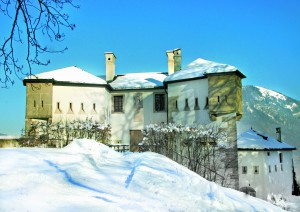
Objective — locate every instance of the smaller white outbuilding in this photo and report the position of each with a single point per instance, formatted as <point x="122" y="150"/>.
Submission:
<point x="265" y="164"/>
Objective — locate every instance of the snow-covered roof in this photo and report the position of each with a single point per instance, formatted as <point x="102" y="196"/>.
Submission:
<point x="138" y="80"/>
<point x="7" y="137"/>
<point x="200" y="68"/>
<point x="70" y="74"/>
<point x="252" y="140"/>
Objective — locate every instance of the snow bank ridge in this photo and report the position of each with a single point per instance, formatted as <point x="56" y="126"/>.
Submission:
<point x="91" y="147"/>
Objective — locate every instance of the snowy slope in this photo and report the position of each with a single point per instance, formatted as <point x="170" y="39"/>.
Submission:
<point x="265" y="110"/>
<point x="88" y="176"/>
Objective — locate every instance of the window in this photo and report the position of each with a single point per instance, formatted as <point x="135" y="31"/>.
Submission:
<point x="186" y="107"/>
<point x="70" y="110"/>
<point x="270" y="169"/>
<point x="159" y="102"/>
<point x="281" y="167"/>
<point x="82" y="108"/>
<point x="34" y="103"/>
<point x="280" y="157"/>
<point x="207" y="103"/>
<point x="275" y="168"/>
<point x="196" y="104"/>
<point x="58" y="109"/>
<point x="94" y="106"/>
<point x="118" y="103"/>
<point x="244" y="169"/>
<point x="42" y="103"/>
<point x="268" y="153"/>
<point x="176" y="105"/>
<point x="256" y="170"/>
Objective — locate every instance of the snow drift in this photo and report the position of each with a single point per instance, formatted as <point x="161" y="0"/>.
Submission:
<point x="89" y="176"/>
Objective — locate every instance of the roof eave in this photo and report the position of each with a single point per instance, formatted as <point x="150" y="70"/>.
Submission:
<point x="25" y="81"/>
<point x="227" y="73"/>
<point x="136" y="89"/>
<point x="184" y="80"/>
<point x="55" y="82"/>
<point x="267" y="149"/>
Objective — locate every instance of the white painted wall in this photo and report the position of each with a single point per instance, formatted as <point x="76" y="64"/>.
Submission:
<point x="77" y="95"/>
<point x="190" y="90"/>
<point x="132" y="119"/>
<point x="266" y="183"/>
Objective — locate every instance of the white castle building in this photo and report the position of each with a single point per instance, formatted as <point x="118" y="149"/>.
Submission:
<point x="202" y="92"/>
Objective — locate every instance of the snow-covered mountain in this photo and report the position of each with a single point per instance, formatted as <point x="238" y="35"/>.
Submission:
<point x="265" y="110"/>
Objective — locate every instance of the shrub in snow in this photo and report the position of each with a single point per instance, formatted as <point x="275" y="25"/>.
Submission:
<point x="278" y="200"/>
<point x="59" y="134"/>
<point x="200" y="148"/>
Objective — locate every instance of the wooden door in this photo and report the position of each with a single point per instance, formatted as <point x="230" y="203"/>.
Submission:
<point x="135" y="138"/>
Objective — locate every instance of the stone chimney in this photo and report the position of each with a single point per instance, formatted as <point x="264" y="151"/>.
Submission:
<point x="174" y="60"/>
<point x="278" y="133"/>
<point x="177" y="59"/>
<point x="170" y="55"/>
<point x="110" y="65"/>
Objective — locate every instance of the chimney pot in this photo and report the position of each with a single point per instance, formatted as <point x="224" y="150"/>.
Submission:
<point x="278" y="133"/>
<point x="177" y="59"/>
<point x="174" y="60"/>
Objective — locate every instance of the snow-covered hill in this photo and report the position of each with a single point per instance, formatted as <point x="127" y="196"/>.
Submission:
<point x="88" y="176"/>
<point x="265" y="110"/>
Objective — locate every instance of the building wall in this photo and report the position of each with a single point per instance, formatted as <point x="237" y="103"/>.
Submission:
<point x="137" y="113"/>
<point x="95" y="102"/>
<point x="38" y="102"/>
<point x="188" y="91"/>
<point x="266" y="183"/>
<point x="186" y="111"/>
<point x="225" y="103"/>
<point x="225" y="94"/>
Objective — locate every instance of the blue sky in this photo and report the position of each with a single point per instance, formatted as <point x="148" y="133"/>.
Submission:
<point x="261" y="38"/>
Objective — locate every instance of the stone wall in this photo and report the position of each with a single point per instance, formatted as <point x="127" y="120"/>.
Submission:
<point x="225" y="94"/>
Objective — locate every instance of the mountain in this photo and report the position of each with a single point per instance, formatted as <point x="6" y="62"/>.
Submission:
<point x="264" y="110"/>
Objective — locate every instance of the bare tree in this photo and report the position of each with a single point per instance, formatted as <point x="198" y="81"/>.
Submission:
<point x="201" y="148"/>
<point x="60" y="133"/>
<point x="31" y="20"/>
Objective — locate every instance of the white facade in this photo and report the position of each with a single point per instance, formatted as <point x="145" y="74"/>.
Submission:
<point x="187" y="95"/>
<point x="137" y="113"/>
<point x="265" y="164"/>
<point x="80" y="103"/>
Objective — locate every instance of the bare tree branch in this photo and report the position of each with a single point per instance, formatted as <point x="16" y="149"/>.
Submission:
<point x="31" y="20"/>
